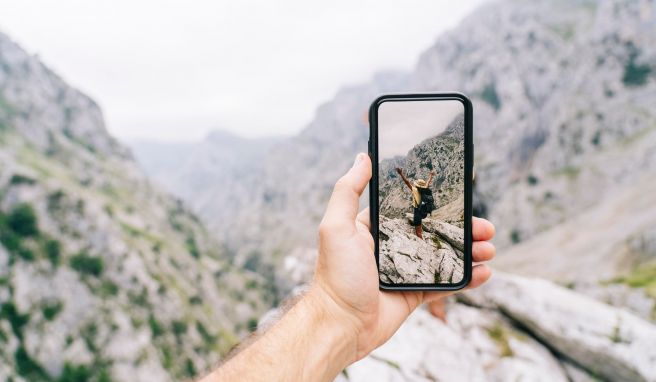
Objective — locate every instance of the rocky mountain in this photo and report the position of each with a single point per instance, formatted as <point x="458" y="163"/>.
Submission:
<point x="102" y="276"/>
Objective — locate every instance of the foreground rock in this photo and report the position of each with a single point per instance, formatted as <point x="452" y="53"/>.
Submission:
<point x="605" y="340"/>
<point x="405" y="258"/>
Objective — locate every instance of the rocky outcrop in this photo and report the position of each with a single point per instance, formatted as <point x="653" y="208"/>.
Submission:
<point x="516" y="328"/>
<point x="605" y="340"/>
<point x="405" y="258"/>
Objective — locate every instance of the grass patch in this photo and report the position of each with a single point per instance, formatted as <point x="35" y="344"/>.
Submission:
<point x="499" y="335"/>
<point x="643" y="276"/>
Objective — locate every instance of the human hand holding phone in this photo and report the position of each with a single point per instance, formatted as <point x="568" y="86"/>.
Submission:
<point x="344" y="315"/>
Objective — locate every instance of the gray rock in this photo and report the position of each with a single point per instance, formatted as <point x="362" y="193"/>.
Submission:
<point x="404" y="258"/>
<point x="608" y="341"/>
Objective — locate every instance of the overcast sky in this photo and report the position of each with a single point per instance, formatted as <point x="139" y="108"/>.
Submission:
<point x="402" y="125"/>
<point x="174" y="70"/>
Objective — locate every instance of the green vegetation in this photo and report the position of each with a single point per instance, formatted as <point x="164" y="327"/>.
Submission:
<point x="179" y="327"/>
<point x="635" y="74"/>
<point x="17" y="320"/>
<point x="252" y="324"/>
<point x="86" y="264"/>
<point x="155" y="327"/>
<point x="18" y="179"/>
<point x="192" y="246"/>
<point x="490" y="96"/>
<point x="75" y="373"/>
<point x="499" y="335"/>
<point x="52" y="249"/>
<point x="532" y="179"/>
<point x="22" y="220"/>
<point x="51" y="309"/>
<point x="108" y="288"/>
<point x="29" y="368"/>
<point x="515" y="236"/>
<point x="572" y="172"/>
<point x="643" y="276"/>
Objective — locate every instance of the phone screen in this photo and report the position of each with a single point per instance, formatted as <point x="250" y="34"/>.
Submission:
<point x="421" y="192"/>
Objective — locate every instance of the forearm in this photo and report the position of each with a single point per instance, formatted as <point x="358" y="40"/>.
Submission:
<point x="307" y="344"/>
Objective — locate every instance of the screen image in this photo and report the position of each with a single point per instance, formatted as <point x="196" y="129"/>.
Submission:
<point x="421" y="191"/>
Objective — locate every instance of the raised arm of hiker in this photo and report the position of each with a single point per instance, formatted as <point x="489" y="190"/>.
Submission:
<point x="430" y="177"/>
<point x="405" y="180"/>
<point x="343" y="316"/>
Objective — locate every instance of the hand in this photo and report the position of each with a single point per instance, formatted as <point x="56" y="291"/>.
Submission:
<point x="399" y="171"/>
<point x="345" y="285"/>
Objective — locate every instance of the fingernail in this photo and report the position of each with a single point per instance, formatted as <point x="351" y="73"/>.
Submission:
<point x="358" y="159"/>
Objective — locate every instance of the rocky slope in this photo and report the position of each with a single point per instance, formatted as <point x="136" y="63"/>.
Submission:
<point x="102" y="276"/>
<point x="405" y="258"/>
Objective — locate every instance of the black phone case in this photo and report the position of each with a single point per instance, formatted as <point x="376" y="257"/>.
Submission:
<point x="373" y="184"/>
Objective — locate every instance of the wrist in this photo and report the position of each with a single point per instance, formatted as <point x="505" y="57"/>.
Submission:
<point x="332" y="332"/>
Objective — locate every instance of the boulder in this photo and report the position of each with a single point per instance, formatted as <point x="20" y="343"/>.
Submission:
<point x="606" y="341"/>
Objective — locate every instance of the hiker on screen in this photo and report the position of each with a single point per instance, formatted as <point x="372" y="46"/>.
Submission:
<point x="422" y="199"/>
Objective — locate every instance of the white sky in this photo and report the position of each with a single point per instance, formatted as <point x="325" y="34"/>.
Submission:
<point x="402" y="125"/>
<point x="174" y="70"/>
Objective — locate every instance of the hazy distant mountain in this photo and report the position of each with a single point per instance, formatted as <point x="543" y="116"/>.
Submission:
<point x="102" y="276"/>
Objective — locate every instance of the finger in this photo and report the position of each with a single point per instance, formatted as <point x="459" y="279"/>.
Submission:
<point x="483" y="251"/>
<point x="363" y="217"/>
<point x="480" y="274"/>
<point x="482" y="229"/>
<point x="344" y="201"/>
<point x="438" y="308"/>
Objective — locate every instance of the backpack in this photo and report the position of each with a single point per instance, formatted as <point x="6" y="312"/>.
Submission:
<point x="427" y="204"/>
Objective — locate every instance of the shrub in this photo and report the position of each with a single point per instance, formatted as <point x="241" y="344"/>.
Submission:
<point x="9" y="312"/>
<point x="192" y="247"/>
<point x="51" y="309"/>
<point x="22" y="220"/>
<point x="27" y="367"/>
<point x="635" y="74"/>
<point x="75" y="373"/>
<point x="52" y="249"/>
<point x="252" y="324"/>
<point x="515" y="236"/>
<point x="155" y="327"/>
<point x="489" y="95"/>
<point x="86" y="264"/>
<point x="17" y="179"/>
<point x="179" y="327"/>
<point x="532" y="180"/>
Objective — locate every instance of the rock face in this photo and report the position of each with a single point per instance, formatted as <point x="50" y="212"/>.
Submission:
<point x="405" y="258"/>
<point x="101" y="274"/>
<point x="517" y="328"/>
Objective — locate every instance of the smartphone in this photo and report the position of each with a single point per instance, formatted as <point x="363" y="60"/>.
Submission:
<point x="421" y="190"/>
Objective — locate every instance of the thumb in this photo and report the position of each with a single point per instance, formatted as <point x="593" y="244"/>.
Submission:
<point x="344" y="202"/>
